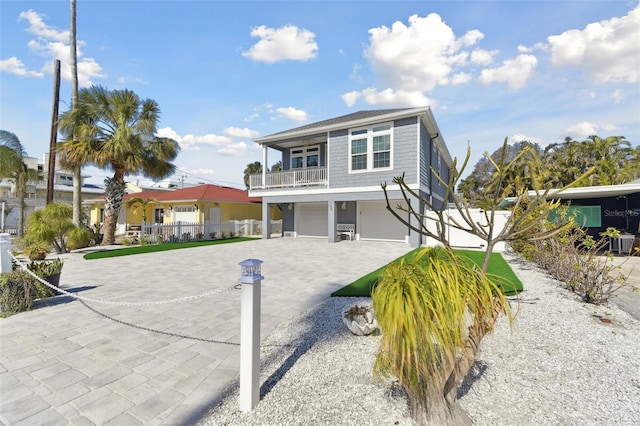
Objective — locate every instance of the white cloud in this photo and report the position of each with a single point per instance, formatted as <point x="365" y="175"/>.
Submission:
<point x="15" y="66"/>
<point x="524" y="49"/>
<point x="607" y="50"/>
<point x="617" y="96"/>
<point x="387" y="97"/>
<point x="39" y="28"/>
<point x="460" y="78"/>
<point x="191" y="142"/>
<point x="514" y="72"/>
<point x="251" y="117"/>
<point x="519" y="137"/>
<point x="198" y="171"/>
<point x="52" y="43"/>
<point x="292" y="114"/>
<point x="582" y="130"/>
<point x="355" y="73"/>
<point x="237" y="132"/>
<point x="419" y="56"/>
<point x="351" y="98"/>
<point x="281" y="44"/>
<point x="235" y="149"/>
<point x="482" y="57"/>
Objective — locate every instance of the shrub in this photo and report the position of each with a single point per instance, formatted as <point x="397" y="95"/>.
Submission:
<point x="79" y="238"/>
<point x="18" y="291"/>
<point x="36" y="251"/>
<point x="145" y="241"/>
<point x="433" y="315"/>
<point x="574" y="258"/>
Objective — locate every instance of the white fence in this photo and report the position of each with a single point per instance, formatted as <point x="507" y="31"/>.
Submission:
<point x="192" y="231"/>
<point x="462" y="239"/>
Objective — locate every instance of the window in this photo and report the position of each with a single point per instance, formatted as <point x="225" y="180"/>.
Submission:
<point x="158" y="215"/>
<point x="307" y="157"/>
<point x="370" y="148"/>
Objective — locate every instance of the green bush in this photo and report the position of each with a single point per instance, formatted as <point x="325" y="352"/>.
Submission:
<point x="18" y="291"/>
<point x="79" y="238"/>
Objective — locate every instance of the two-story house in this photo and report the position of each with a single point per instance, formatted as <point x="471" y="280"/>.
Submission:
<point x="330" y="184"/>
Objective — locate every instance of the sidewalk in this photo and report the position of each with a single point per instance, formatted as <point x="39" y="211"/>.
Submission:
<point x="76" y="363"/>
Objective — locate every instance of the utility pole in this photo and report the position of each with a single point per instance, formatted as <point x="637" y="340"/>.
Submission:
<point x="54" y="131"/>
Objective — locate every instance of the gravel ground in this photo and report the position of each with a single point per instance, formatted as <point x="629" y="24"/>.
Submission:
<point x="559" y="363"/>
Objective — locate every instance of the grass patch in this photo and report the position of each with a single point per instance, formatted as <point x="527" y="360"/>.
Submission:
<point x="499" y="272"/>
<point x="126" y="251"/>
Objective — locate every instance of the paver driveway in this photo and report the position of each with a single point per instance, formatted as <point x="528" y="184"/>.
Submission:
<point x="75" y="363"/>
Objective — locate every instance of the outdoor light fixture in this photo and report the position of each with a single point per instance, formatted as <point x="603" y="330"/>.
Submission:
<point x="290" y="206"/>
<point x="344" y="205"/>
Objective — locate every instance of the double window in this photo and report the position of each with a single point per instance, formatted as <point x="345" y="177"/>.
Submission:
<point x="306" y="157"/>
<point x="370" y="148"/>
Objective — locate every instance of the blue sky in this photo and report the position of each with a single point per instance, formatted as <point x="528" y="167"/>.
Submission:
<point x="224" y="73"/>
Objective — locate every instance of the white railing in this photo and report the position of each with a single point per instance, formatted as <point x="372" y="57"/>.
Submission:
<point x="290" y="178"/>
<point x="193" y="231"/>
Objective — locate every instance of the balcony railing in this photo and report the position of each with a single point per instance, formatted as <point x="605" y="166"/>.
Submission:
<point x="316" y="176"/>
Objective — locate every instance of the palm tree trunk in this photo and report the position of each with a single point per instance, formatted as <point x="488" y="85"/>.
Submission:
<point x="114" y="194"/>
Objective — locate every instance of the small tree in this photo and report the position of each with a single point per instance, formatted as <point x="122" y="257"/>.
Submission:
<point x="433" y="319"/>
<point x="50" y="226"/>
<point x="516" y="228"/>
<point x="136" y="202"/>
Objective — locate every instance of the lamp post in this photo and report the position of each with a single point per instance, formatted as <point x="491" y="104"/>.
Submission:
<point x="250" y="278"/>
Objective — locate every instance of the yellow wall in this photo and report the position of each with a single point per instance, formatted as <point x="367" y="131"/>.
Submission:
<point x="228" y="211"/>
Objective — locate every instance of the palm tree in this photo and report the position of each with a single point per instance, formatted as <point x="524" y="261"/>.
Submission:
<point x="252" y="168"/>
<point x="115" y="130"/>
<point x="141" y="202"/>
<point x="277" y="167"/>
<point x="12" y="166"/>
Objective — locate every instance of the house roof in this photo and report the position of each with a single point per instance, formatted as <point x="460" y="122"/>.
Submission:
<point x="597" y="191"/>
<point x="349" y="120"/>
<point x="205" y="192"/>
<point x="601" y="191"/>
<point x="363" y="118"/>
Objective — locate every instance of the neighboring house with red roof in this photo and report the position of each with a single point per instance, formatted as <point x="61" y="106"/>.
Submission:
<point x="196" y="204"/>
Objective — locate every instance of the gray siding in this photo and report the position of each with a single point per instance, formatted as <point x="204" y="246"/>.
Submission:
<point x="404" y="158"/>
<point x="425" y="157"/>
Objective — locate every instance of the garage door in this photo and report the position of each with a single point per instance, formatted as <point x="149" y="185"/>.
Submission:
<point x="377" y="223"/>
<point x="311" y="219"/>
<point x="184" y="214"/>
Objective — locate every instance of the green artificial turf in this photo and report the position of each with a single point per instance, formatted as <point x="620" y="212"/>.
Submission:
<point x="499" y="271"/>
<point x="126" y="251"/>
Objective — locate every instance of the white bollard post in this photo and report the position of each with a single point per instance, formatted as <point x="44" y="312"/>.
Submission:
<point x="5" y="253"/>
<point x="250" y="279"/>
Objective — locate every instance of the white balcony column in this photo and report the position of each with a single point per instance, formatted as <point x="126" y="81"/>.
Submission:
<point x="332" y="221"/>
<point x="266" y="220"/>
<point x="264" y="165"/>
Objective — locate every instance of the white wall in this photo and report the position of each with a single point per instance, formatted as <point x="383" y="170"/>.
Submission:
<point x="462" y="239"/>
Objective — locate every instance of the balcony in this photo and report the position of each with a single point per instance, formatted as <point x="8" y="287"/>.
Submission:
<point x="316" y="176"/>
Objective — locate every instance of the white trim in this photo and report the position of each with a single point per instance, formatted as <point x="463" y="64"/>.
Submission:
<point x="304" y="155"/>
<point x="370" y="154"/>
<point x="272" y="193"/>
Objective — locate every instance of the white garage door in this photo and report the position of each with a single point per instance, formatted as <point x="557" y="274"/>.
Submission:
<point x="311" y="219"/>
<point x="184" y="214"/>
<point x="377" y="223"/>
